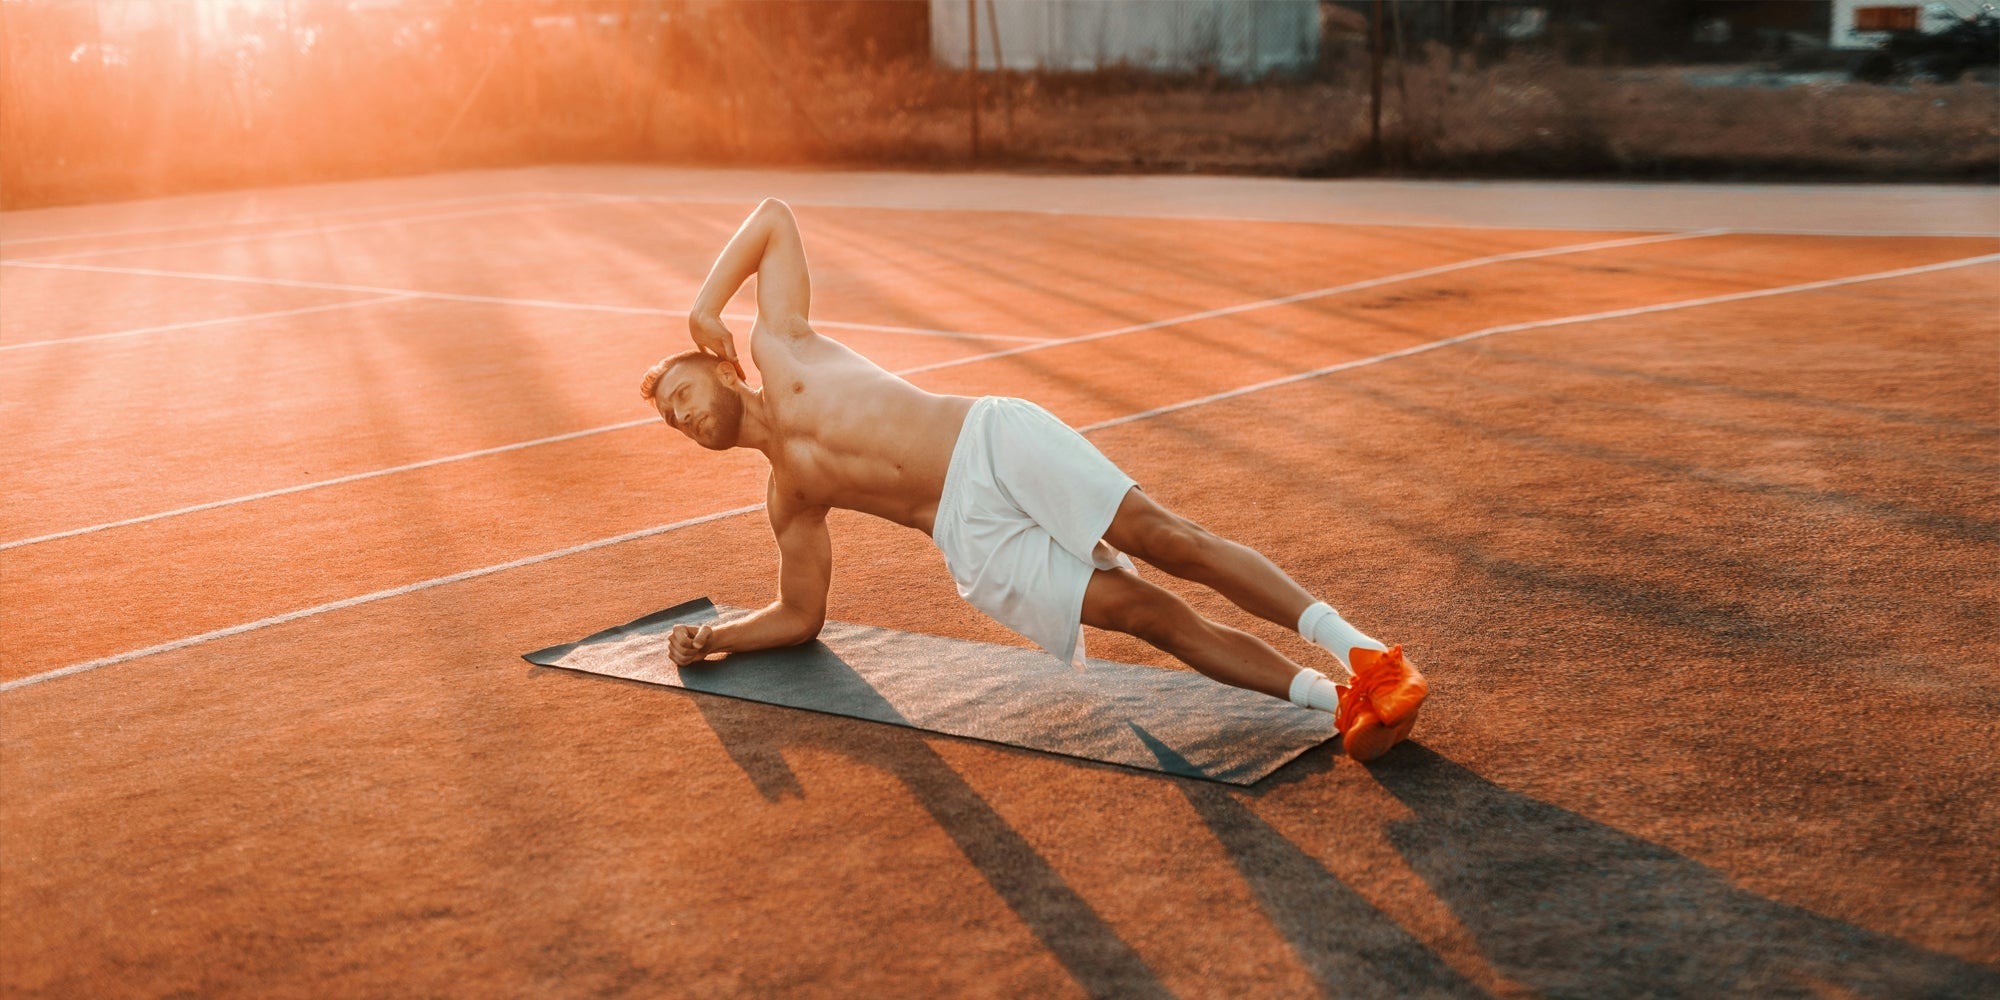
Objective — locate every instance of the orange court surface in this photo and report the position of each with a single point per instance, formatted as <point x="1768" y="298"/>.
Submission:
<point x="1686" y="499"/>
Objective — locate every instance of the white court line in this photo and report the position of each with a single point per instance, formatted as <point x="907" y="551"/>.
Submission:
<point x="167" y="647"/>
<point x="192" y="324"/>
<point x="1332" y="290"/>
<point x="915" y="331"/>
<point x="415" y="293"/>
<point x="623" y="425"/>
<point x="1634" y="225"/>
<point x="332" y="213"/>
<point x="1539" y="325"/>
<point x="400" y="220"/>
<point x="319" y="484"/>
<point x="718" y="515"/>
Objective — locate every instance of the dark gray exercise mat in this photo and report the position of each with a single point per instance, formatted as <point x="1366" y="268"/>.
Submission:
<point x="1173" y="721"/>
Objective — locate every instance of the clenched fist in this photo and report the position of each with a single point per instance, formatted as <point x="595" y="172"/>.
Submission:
<point x="689" y="644"/>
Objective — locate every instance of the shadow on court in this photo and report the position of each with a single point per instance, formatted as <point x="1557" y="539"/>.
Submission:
<point x="1571" y="907"/>
<point x="1558" y="903"/>
<point x="1089" y="950"/>
<point x="1350" y="947"/>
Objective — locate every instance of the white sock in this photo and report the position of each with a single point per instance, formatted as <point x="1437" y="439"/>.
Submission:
<point x="1323" y="627"/>
<point x="1311" y="689"/>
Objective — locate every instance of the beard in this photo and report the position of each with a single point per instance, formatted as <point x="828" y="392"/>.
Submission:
<point x="723" y="424"/>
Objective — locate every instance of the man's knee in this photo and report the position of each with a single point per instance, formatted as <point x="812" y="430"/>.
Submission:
<point x="1167" y="540"/>
<point x="1160" y="618"/>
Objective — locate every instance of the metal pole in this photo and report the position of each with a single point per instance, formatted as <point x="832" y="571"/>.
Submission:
<point x="1375" y="88"/>
<point x="1000" y="64"/>
<point x="972" y="69"/>
<point x="1402" y="88"/>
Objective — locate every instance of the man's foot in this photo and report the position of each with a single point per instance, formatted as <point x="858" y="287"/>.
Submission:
<point x="1388" y="681"/>
<point x="1362" y="733"/>
<point x="1380" y="708"/>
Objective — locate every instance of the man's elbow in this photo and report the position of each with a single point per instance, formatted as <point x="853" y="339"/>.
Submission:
<point x="807" y="626"/>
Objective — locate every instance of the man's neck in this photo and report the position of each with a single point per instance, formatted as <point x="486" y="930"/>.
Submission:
<point x="756" y="431"/>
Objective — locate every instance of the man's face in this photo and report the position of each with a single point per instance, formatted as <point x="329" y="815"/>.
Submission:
<point x="699" y="399"/>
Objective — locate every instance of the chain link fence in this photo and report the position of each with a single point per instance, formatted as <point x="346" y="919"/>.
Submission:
<point x="122" y="98"/>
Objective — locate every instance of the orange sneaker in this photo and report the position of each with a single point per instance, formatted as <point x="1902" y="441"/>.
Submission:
<point x="1380" y="709"/>
<point x="1388" y="682"/>
<point x="1362" y="733"/>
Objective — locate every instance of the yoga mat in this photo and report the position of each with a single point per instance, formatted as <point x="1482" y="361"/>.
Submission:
<point x="1171" y="721"/>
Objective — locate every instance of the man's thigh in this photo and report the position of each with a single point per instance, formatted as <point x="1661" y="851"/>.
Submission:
<point x="1146" y="530"/>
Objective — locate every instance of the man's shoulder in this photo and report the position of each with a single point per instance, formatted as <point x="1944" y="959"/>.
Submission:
<point x="788" y="493"/>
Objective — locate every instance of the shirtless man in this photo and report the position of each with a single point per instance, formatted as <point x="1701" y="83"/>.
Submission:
<point x="1033" y="521"/>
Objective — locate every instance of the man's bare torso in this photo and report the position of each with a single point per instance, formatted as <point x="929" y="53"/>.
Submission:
<point x="852" y="435"/>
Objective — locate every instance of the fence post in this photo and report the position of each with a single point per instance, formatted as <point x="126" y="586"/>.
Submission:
<point x="1375" y="87"/>
<point x="972" y="69"/>
<point x="1403" y="123"/>
<point x="1000" y="65"/>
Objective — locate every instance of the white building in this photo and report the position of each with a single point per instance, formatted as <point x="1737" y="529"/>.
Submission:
<point x="1865" y="24"/>
<point x="1241" y="38"/>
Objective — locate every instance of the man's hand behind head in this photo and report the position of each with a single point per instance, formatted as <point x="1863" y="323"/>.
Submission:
<point x="712" y="336"/>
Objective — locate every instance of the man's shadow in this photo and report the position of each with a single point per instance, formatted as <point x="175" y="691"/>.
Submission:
<point x="1571" y="907"/>
<point x="1558" y="903"/>
<point x="1348" y="946"/>
<point x="1351" y="948"/>
<point x="756" y="736"/>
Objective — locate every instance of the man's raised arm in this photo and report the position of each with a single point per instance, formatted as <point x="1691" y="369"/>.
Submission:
<point x="767" y="245"/>
<point x="805" y="571"/>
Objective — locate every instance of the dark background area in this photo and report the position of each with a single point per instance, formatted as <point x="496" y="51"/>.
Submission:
<point x="96" y="106"/>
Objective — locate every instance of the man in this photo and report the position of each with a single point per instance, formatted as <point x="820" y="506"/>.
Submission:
<point x="1033" y="521"/>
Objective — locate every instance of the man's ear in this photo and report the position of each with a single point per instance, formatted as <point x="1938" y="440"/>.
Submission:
<point x="726" y="374"/>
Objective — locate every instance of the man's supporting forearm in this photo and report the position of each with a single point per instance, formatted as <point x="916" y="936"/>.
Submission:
<point x="780" y="624"/>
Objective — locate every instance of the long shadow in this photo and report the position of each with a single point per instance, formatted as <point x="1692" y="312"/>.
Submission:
<point x="1088" y="948"/>
<point x="1839" y="440"/>
<point x="1723" y="620"/>
<point x="1760" y="393"/>
<point x="1350" y="947"/>
<point x="1571" y="907"/>
<point x="1956" y="526"/>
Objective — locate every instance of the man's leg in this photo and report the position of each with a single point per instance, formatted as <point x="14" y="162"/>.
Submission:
<point x="1381" y="676"/>
<point x="1122" y="601"/>
<point x="1145" y="530"/>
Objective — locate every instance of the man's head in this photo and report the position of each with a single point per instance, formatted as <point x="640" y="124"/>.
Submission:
<point x="699" y="395"/>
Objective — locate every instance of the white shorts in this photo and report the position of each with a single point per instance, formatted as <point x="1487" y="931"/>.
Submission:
<point x="1022" y="519"/>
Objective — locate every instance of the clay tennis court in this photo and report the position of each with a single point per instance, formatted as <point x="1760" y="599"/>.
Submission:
<point x="1692" y="524"/>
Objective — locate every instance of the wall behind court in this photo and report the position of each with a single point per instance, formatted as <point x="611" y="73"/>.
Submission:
<point x="1242" y="39"/>
<point x="107" y="99"/>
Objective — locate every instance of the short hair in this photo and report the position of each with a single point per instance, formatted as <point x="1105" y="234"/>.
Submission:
<point x="651" y="383"/>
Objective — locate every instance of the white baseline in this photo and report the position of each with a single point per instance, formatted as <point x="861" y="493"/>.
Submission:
<point x="403" y="220"/>
<point x="417" y="293"/>
<point x="627" y="424"/>
<point x="270" y="220"/>
<point x="197" y="323"/>
<point x="379" y="595"/>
